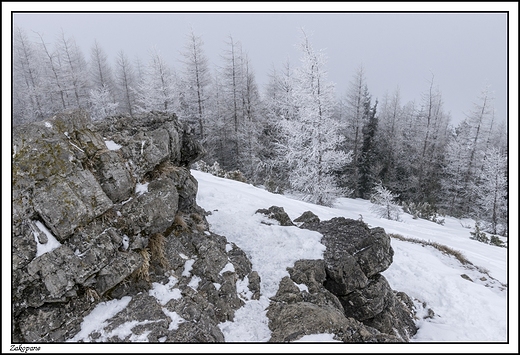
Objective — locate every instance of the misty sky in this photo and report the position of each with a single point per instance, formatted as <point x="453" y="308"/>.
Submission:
<point x="464" y="51"/>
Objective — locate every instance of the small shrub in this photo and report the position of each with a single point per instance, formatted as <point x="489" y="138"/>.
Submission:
<point x="202" y="166"/>
<point x="383" y="203"/>
<point x="235" y="175"/>
<point x="216" y="170"/>
<point x="479" y="235"/>
<point x="495" y="240"/>
<point x="423" y="210"/>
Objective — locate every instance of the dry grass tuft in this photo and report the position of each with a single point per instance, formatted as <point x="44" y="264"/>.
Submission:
<point x="442" y="248"/>
<point x="143" y="272"/>
<point x="92" y="294"/>
<point x="180" y="222"/>
<point x="157" y="244"/>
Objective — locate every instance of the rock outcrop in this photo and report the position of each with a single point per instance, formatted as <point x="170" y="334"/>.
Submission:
<point x="344" y="294"/>
<point x="105" y="213"/>
<point x="109" y="245"/>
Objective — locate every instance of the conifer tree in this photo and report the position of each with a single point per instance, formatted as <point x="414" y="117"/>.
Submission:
<point x="312" y="139"/>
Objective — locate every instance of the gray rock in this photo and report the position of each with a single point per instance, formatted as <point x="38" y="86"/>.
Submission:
<point x="308" y="217"/>
<point x="153" y="211"/>
<point x="367" y="302"/>
<point x="113" y="176"/>
<point x="65" y="204"/>
<point x="278" y="214"/>
<point x="120" y="267"/>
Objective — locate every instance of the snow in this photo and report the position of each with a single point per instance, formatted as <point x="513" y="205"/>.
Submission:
<point x="167" y="292"/>
<point x="188" y="266"/>
<point x="97" y="319"/>
<point x="52" y="242"/>
<point x="463" y="310"/>
<point x="226" y="268"/>
<point x="125" y="242"/>
<point x="194" y="282"/>
<point x="243" y="290"/>
<point x="111" y="145"/>
<point x="326" y="337"/>
<point x="175" y="317"/>
<point x="141" y="188"/>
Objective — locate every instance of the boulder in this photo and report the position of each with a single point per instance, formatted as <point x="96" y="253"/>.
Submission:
<point x="344" y="294"/>
<point x="278" y="214"/>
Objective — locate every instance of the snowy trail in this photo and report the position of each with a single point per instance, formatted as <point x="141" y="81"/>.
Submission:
<point x="464" y="310"/>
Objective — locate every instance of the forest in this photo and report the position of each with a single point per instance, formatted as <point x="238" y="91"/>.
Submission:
<point x="297" y="134"/>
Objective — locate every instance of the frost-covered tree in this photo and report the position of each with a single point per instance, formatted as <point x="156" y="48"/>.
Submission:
<point x="54" y="82"/>
<point x="194" y="82"/>
<point x="230" y="114"/>
<point x="278" y="107"/>
<point x="464" y="158"/>
<point x="432" y="123"/>
<point x="235" y="120"/>
<point x="99" y="69"/>
<point x="157" y="88"/>
<point x="29" y="101"/>
<point x="126" y="82"/>
<point x="390" y="137"/>
<point x="312" y="138"/>
<point x="102" y="103"/>
<point x="102" y="93"/>
<point x="491" y="189"/>
<point x="74" y="72"/>
<point x="352" y="118"/>
<point x="384" y="205"/>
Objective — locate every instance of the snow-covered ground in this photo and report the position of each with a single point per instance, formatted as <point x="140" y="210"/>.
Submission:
<point x="464" y="311"/>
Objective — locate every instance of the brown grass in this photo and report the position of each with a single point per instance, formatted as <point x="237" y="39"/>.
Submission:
<point x="143" y="272"/>
<point x="92" y="294"/>
<point x="180" y="222"/>
<point x="157" y="244"/>
<point x="442" y="248"/>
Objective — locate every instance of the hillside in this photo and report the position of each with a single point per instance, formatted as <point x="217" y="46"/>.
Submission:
<point x="464" y="310"/>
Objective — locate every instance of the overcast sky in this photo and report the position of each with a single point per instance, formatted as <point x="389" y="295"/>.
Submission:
<point x="464" y="51"/>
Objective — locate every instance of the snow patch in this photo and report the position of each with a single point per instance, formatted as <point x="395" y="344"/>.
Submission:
<point x="302" y="287"/>
<point x="250" y="323"/>
<point x="52" y="242"/>
<point x="188" y="266"/>
<point x="97" y="319"/>
<point x="167" y="292"/>
<point x="111" y="145"/>
<point x="226" y="268"/>
<point x="141" y="188"/>
<point x="194" y="282"/>
<point x="323" y="337"/>
<point x="125" y="242"/>
<point x="243" y="290"/>
<point x="176" y="319"/>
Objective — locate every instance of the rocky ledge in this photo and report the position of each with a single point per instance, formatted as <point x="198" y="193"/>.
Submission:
<point x="105" y="214"/>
